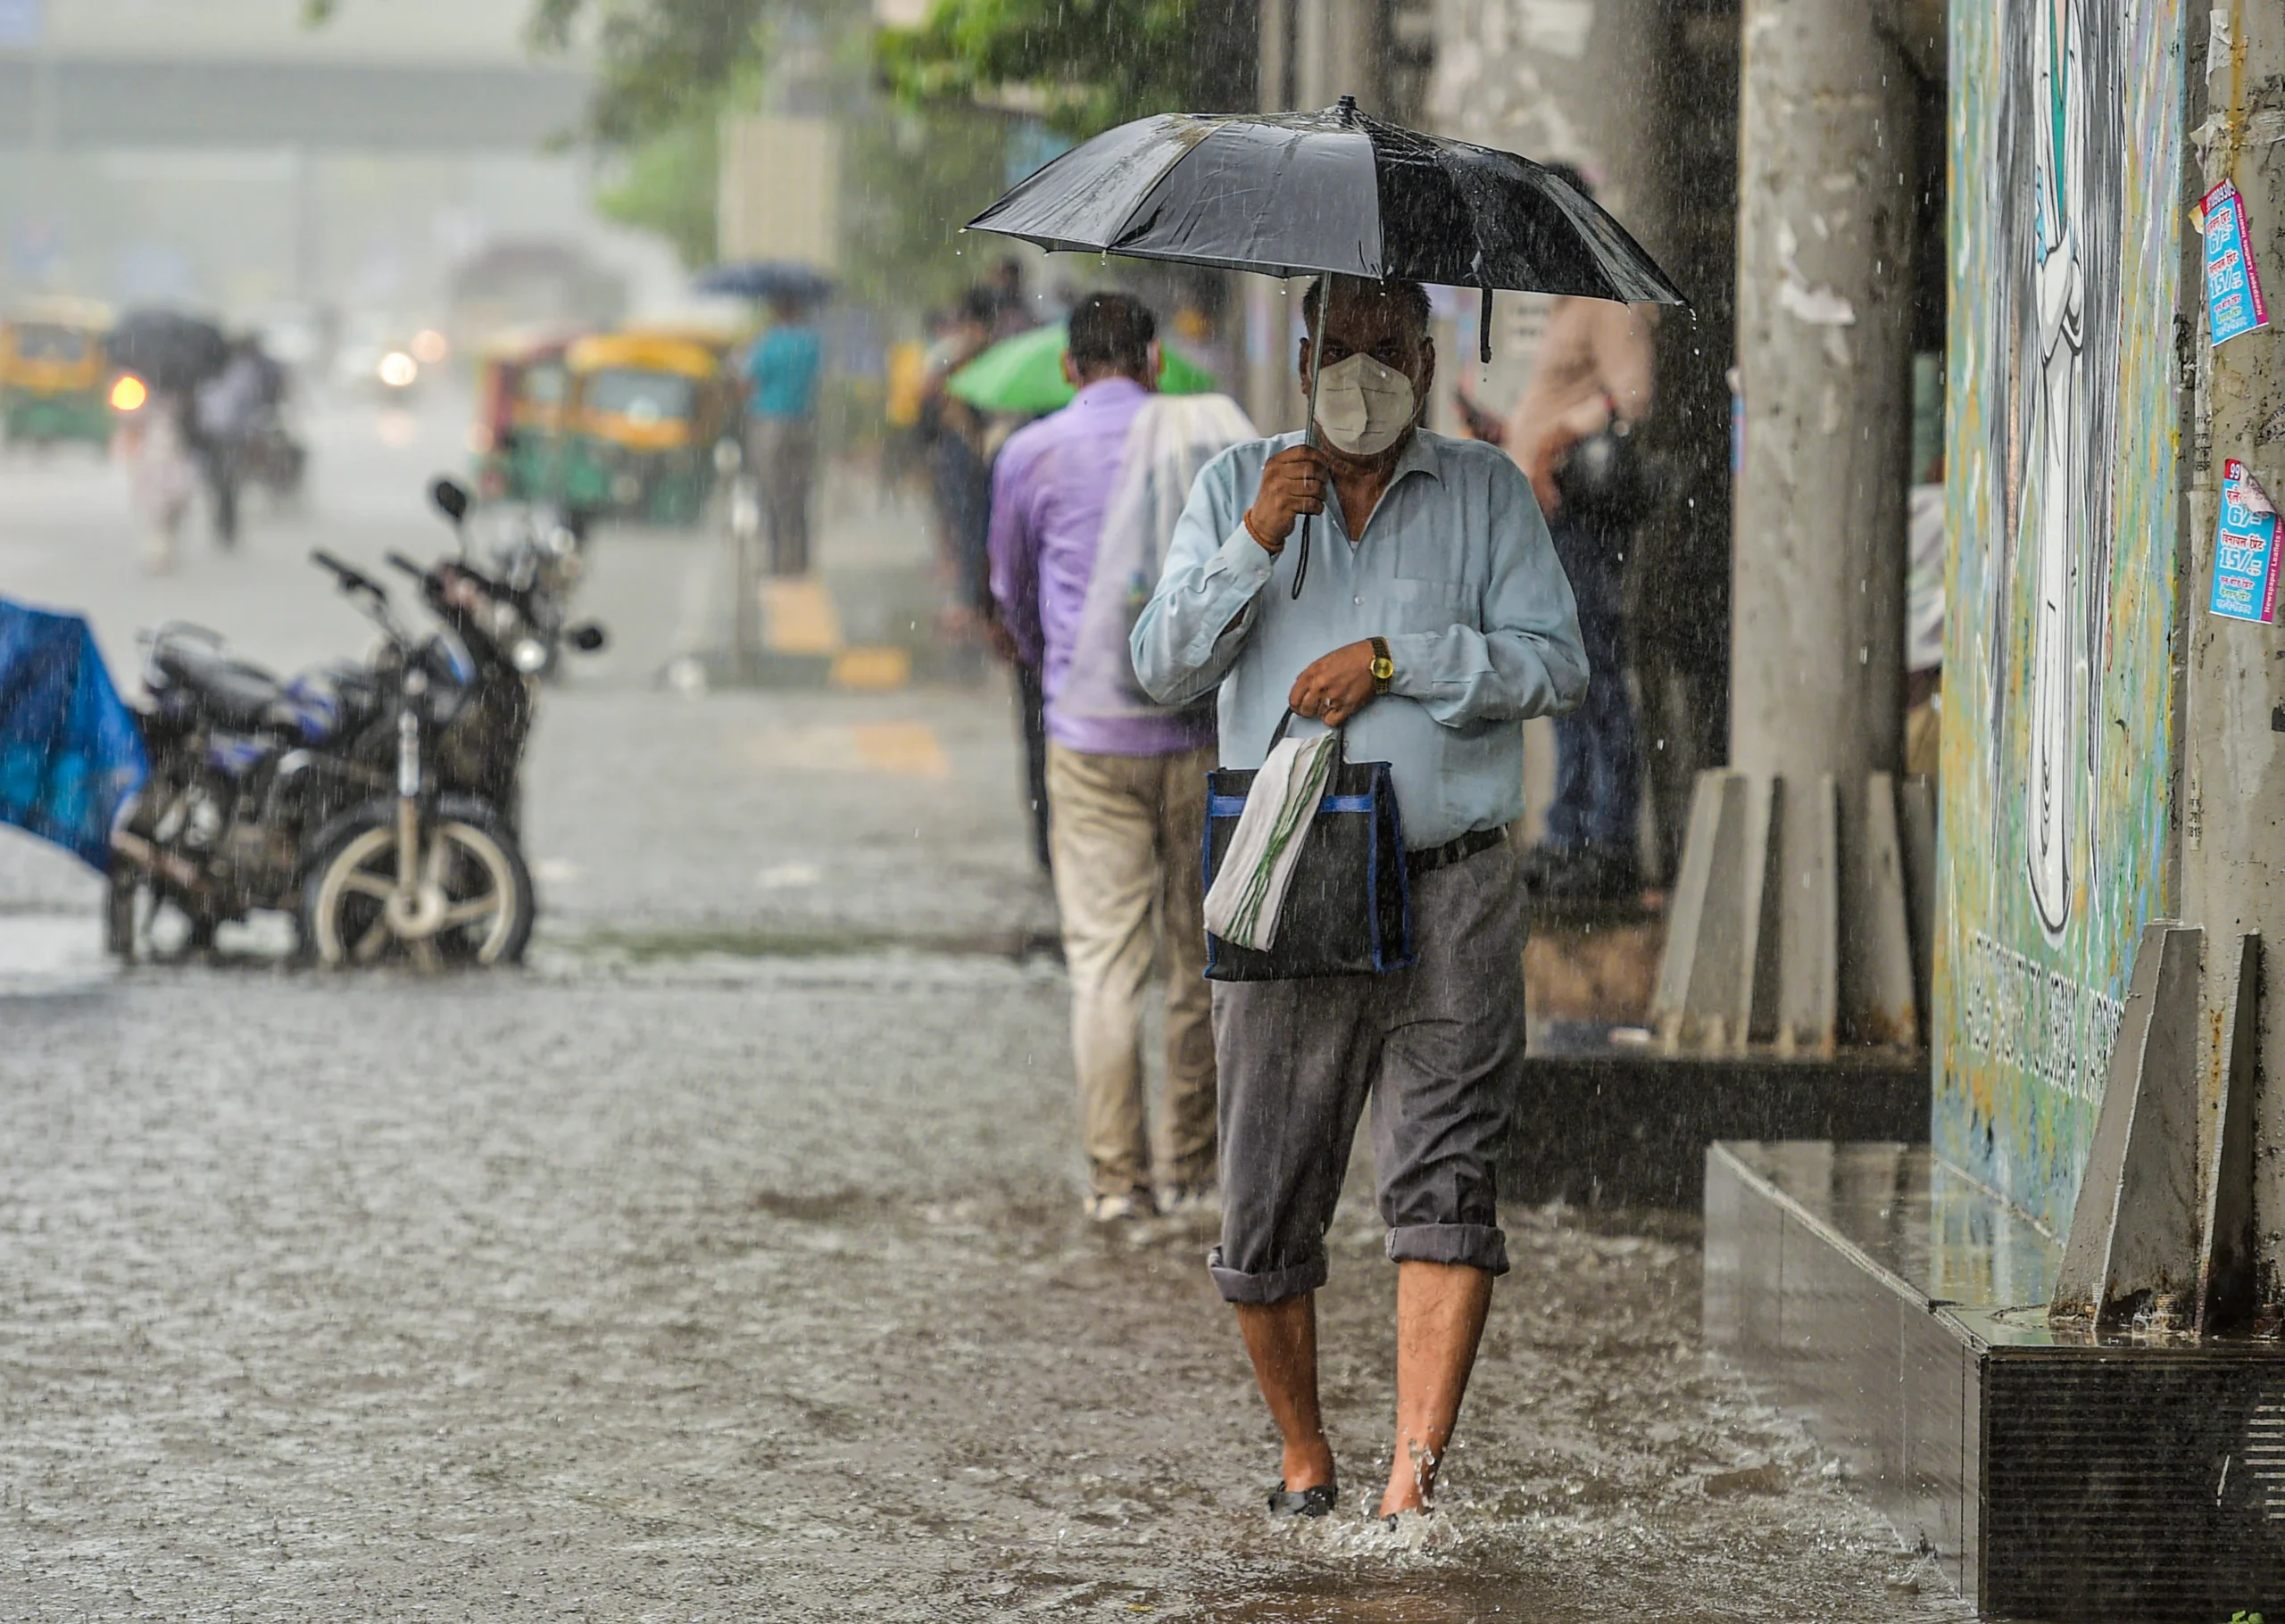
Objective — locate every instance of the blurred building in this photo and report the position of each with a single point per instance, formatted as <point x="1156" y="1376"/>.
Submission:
<point x="222" y="154"/>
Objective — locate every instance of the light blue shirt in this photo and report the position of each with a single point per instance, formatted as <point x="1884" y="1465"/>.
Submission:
<point x="1455" y="569"/>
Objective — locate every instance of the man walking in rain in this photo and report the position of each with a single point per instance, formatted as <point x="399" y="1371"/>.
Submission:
<point x="1125" y="777"/>
<point x="1436" y="619"/>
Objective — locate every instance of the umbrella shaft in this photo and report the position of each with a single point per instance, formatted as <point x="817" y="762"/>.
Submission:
<point x="1309" y="429"/>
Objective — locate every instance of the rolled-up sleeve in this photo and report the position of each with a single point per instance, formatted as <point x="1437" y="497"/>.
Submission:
<point x="1526" y="660"/>
<point x="1194" y="627"/>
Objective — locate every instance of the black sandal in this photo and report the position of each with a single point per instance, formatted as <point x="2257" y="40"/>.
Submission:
<point x="1317" y="1501"/>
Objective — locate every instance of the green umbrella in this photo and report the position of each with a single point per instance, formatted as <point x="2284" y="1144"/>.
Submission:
<point x="1023" y="375"/>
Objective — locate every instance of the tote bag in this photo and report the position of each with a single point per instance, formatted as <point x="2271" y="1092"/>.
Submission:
<point x="1349" y="908"/>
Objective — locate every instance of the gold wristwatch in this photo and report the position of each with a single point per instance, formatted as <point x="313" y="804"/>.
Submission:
<point x="1383" y="667"/>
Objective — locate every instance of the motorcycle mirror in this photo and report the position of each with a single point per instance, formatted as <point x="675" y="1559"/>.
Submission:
<point x="450" y="498"/>
<point x="587" y="637"/>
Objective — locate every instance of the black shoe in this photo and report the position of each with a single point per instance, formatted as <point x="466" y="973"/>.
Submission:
<point x="1317" y="1501"/>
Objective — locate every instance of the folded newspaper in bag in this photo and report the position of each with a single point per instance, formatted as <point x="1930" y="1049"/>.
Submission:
<point x="1248" y="895"/>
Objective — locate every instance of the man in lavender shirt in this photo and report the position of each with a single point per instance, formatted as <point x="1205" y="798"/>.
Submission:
<point x="1126" y="783"/>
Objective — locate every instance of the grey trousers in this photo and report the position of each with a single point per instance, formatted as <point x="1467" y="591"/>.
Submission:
<point x="1435" y="1048"/>
<point x="784" y="456"/>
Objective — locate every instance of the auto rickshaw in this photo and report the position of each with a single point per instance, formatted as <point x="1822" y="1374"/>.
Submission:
<point x="644" y="412"/>
<point x="522" y="383"/>
<point x="55" y="380"/>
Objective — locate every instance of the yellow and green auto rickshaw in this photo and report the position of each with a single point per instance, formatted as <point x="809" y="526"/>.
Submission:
<point x="644" y="414"/>
<point x="55" y="380"/>
<point x="522" y="384"/>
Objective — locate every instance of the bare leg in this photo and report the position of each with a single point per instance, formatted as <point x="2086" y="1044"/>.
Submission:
<point x="1440" y="1309"/>
<point x="1282" y="1340"/>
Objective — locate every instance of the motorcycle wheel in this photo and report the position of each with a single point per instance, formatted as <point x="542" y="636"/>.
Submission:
<point x="470" y="855"/>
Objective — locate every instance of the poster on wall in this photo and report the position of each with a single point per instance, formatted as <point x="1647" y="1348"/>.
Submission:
<point x="2245" y="550"/>
<point x="2060" y="497"/>
<point x="2234" y="302"/>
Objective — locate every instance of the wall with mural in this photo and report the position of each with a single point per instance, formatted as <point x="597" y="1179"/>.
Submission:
<point x="2066" y="153"/>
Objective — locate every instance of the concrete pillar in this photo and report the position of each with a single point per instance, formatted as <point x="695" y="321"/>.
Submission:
<point x="1825" y="212"/>
<point x="2233" y="785"/>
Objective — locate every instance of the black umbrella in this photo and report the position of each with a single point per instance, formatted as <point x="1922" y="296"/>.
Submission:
<point x="766" y="280"/>
<point x="167" y="349"/>
<point x="1288" y="194"/>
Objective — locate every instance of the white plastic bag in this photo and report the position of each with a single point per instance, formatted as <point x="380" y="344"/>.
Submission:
<point x="1172" y="438"/>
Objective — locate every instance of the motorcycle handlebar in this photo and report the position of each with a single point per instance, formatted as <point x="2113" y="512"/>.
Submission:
<point x="348" y="575"/>
<point x="401" y="562"/>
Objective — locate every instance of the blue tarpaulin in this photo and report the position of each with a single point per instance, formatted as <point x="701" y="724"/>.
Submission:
<point x="70" y="753"/>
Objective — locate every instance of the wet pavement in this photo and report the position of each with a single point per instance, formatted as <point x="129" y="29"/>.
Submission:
<point x="727" y="1263"/>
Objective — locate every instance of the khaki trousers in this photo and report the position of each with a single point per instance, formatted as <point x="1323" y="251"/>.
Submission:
<point x="1128" y="832"/>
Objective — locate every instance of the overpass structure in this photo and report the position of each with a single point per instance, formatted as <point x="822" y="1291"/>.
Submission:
<point x="62" y="103"/>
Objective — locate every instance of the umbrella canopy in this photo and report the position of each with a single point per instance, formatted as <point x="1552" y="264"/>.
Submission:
<point x="766" y="280"/>
<point x="1292" y="193"/>
<point x="167" y="349"/>
<point x="1023" y="374"/>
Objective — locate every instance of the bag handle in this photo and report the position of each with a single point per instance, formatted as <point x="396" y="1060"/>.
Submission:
<point x="1286" y="721"/>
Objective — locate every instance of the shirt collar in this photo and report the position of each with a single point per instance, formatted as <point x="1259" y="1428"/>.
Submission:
<point x="1113" y="388"/>
<point x="1419" y="453"/>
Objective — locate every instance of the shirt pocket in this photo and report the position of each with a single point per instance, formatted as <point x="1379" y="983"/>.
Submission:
<point x="1430" y="605"/>
<point x="1423" y="555"/>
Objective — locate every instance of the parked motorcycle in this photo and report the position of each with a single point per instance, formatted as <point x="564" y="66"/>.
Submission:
<point x="377" y="803"/>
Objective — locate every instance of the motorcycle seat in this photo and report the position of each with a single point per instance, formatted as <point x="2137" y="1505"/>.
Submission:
<point x="231" y="692"/>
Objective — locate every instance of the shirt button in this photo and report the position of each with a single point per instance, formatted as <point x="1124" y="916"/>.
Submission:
<point x="1360" y="603"/>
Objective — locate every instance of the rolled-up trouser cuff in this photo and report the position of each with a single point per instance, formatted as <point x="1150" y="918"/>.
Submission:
<point x="1271" y="1284"/>
<point x="1479" y="1245"/>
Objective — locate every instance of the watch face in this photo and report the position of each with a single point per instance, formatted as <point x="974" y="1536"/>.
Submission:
<point x="1384" y="669"/>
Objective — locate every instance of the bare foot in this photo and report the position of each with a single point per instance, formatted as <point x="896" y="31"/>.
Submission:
<point x="1412" y="1484"/>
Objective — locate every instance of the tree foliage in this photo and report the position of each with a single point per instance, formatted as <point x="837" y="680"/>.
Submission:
<point x="667" y="185"/>
<point x="1081" y="65"/>
<point x="661" y="63"/>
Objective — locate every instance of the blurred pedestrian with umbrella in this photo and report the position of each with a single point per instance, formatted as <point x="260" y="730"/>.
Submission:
<point x="1440" y="622"/>
<point x="164" y="357"/>
<point x="781" y="371"/>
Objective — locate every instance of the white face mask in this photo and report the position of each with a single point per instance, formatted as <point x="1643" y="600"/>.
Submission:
<point x="1363" y="406"/>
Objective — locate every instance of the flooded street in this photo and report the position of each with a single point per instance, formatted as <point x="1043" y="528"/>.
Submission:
<point x="727" y="1263"/>
<point x="760" y="1289"/>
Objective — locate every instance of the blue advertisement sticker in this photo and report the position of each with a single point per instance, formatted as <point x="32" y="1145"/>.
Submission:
<point x="2245" y="550"/>
<point x="2233" y="300"/>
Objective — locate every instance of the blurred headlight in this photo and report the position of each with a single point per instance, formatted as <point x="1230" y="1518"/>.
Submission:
<point x="529" y="655"/>
<point x="128" y="394"/>
<point x="397" y="370"/>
